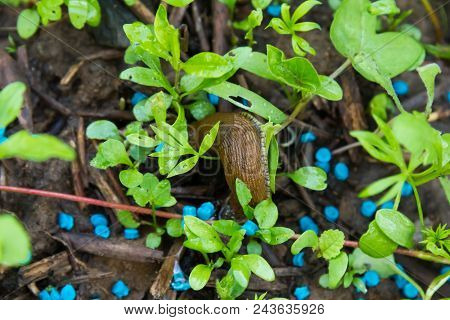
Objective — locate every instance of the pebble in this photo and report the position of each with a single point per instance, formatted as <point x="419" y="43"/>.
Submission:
<point x="325" y="166"/>
<point x="401" y="87"/>
<point x="368" y="208"/>
<point x="130" y="234"/>
<point x="99" y="219"/>
<point x="302" y="293"/>
<point x="138" y="97"/>
<point x="274" y="10"/>
<point x="371" y="279"/>
<point x="407" y="189"/>
<point x="323" y="154"/>
<point x="213" y="99"/>
<point x="206" y="211"/>
<point x="68" y="292"/>
<point x="409" y="291"/>
<point x="387" y="205"/>
<point x="120" y="289"/>
<point x="65" y="221"/>
<point x="331" y="213"/>
<point x="307" y="223"/>
<point x="341" y="171"/>
<point x="308" y="136"/>
<point x="102" y="232"/>
<point x="298" y="260"/>
<point x="250" y="228"/>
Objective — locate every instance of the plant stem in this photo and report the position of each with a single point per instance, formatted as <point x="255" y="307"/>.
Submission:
<point x="397" y="199"/>
<point x="206" y="258"/>
<point x="418" y="203"/>
<point x="409" y="279"/>
<point x="434" y="19"/>
<point x="340" y="69"/>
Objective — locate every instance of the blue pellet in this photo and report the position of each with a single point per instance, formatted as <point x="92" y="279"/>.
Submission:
<point x="159" y="147"/>
<point x="331" y="213"/>
<point x="102" y="232"/>
<point x="44" y="295"/>
<point x="120" y="289"/>
<point x="274" y="10"/>
<point x="189" y="211"/>
<point x="371" y="279"/>
<point x="302" y="293"/>
<point x="180" y="285"/>
<point x="130" y="234"/>
<point x="250" y="228"/>
<point x="308" y="137"/>
<point x="245" y="102"/>
<point x="298" y="260"/>
<point x="205" y="211"/>
<point x="341" y="171"/>
<point x="409" y="291"/>
<point x="98" y="219"/>
<point x="2" y="135"/>
<point x="323" y="154"/>
<point x="325" y="166"/>
<point x="213" y="99"/>
<point x="68" y="292"/>
<point x="448" y="96"/>
<point x="401" y="87"/>
<point x="445" y="270"/>
<point x="138" y="97"/>
<point x="407" y="190"/>
<point x="179" y="282"/>
<point x="400" y="282"/>
<point x="387" y="205"/>
<point x="54" y="294"/>
<point x="368" y="208"/>
<point x="65" y="221"/>
<point x="307" y="223"/>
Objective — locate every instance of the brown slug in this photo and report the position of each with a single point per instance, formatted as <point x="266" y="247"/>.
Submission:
<point x="240" y="144"/>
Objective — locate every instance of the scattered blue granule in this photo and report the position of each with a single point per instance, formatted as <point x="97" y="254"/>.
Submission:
<point x="65" y="221"/>
<point x="325" y="166"/>
<point x="250" y="228"/>
<point x="331" y="213"/>
<point x="341" y="171"/>
<point x="371" y="279"/>
<point x="138" y="97"/>
<point x="387" y="205"/>
<point x="400" y="282"/>
<point x="159" y="147"/>
<point x="409" y="291"/>
<point x="323" y="154"/>
<point x="401" y="87"/>
<point x="131" y="234"/>
<point x="49" y="293"/>
<point x="120" y="289"/>
<point x="302" y="293"/>
<point x="298" y="260"/>
<point x="445" y="270"/>
<point x="44" y="295"/>
<point x="213" y="99"/>
<point x="407" y="189"/>
<point x="307" y="223"/>
<point x="448" y="96"/>
<point x="2" y="135"/>
<point x="274" y="10"/>
<point x="188" y="211"/>
<point x="308" y="137"/>
<point x="68" y="292"/>
<point x="205" y="211"/>
<point x="98" y="219"/>
<point x="102" y="232"/>
<point x="368" y="208"/>
<point x="245" y="102"/>
<point x="179" y="281"/>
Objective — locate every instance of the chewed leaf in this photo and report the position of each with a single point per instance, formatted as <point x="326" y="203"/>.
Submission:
<point x="428" y="75"/>
<point x="207" y="65"/>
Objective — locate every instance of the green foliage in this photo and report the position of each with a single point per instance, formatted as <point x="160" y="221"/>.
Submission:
<point x="253" y="20"/>
<point x="127" y="219"/>
<point x="289" y="25"/>
<point x="330" y="244"/>
<point x="179" y="3"/>
<point x="309" y="177"/>
<point x="379" y="106"/>
<point x="437" y="241"/>
<point x="28" y="23"/>
<point x="15" y="244"/>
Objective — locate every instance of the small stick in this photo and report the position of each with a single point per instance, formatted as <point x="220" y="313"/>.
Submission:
<point x="204" y="44"/>
<point x="52" y="102"/>
<point x="142" y="12"/>
<point x="177" y="15"/>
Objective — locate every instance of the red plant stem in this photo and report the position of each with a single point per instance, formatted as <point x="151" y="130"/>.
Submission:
<point x="95" y="202"/>
<point x="49" y="194"/>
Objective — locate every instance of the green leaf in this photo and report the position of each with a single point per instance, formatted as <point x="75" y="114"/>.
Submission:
<point x="201" y="109"/>
<point x="380" y="185"/>
<point x="253" y="247"/>
<point x="276" y="235"/>
<point x="233" y="93"/>
<point x="153" y="240"/>
<point x="228" y="288"/>
<point x="184" y="166"/>
<point x="359" y="260"/>
<point x="382" y="7"/>
<point x="127" y="219"/>
<point x="273" y="162"/>
<point x="179" y="3"/>
<point x="167" y="36"/>
<point x="437" y="283"/>
<point x="261" y="4"/>
<point x="303" y="9"/>
<point x="396" y="226"/>
<point x="360" y="285"/>
<point x="445" y="183"/>
<point x="15" y="244"/>
<point x="130" y="178"/>
<point x="160" y="194"/>
<point x="11" y="102"/>
<point x="375" y="243"/>
<point x="141" y="140"/>
<point x="174" y="228"/>
<point x="241" y="271"/>
<point x="204" y="245"/>
<point x="207" y="65"/>
<point x="111" y="153"/>
<point x="36" y="147"/>
<point x="200" y="228"/>
<point x="199" y="276"/>
<point x="251" y="61"/>
<point x="28" y="23"/>
<point x="312" y="178"/>
<point x="144" y="76"/>
<point x="103" y="130"/>
<point x="94" y="13"/>
<point x="428" y="75"/>
<point x="78" y="12"/>
<point x="226" y="227"/>
<point x="259" y="266"/>
<point x="209" y="139"/>
<point x="266" y="213"/>
<point x="380" y="104"/>
<point x="243" y="193"/>
<point x="330" y="243"/>
<point x="329" y="89"/>
<point x="307" y="239"/>
<point x="235" y="242"/>
<point x="336" y="269"/>
<point x="49" y="10"/>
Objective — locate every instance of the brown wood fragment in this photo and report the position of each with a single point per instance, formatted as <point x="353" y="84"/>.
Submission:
<point x="52" y="102"/>
<point x="204" y="43"/>
<point x="177" y="15"/>
<point x="142" y="12"/>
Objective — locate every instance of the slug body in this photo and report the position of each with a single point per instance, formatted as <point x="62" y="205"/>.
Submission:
<point x="240" y="144"/>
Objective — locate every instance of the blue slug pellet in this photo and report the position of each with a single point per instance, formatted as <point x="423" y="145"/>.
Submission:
<point x="331" y="213"/>
<point x="409" y="291"/>
<point x="298" y="260"/>
<point x="250" y="228"/>
<point x="54" y="294"/>
<point x="2" y="135"/>
<point x="130" y="234"/>
<point x="302" y="293"/>
<point x="307" y="223"/>
<point x="371" y="279"/>
<point x="448" y="96"/>
<point x="65" y="221"/>
<point x="213" y="99"/>
<point x="205" y="211"/>
<point x="368" y="208"/>
<point x="325" y="166"/>
<point x="274" y="10"/>
<point x="401" y="87"/>
<point x="341" y="171"/>
<point x="98" y="219"/>
<point x="407" y="190"/>
<point x="102" y="231"/>
<point x="138" y="97"/>
<point x="44" y="295"/>
<point x="188" y="211"/>
<point x="159" y="147"/>
<point x="179" y="282"/>
<point x="120" y="289"/>
<point x="68" y="292"/>
<point x="323" y="154"/>
<point x="308" y="137"/>
<point x="387" y="205"/>
<point x="445" y="270"/>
